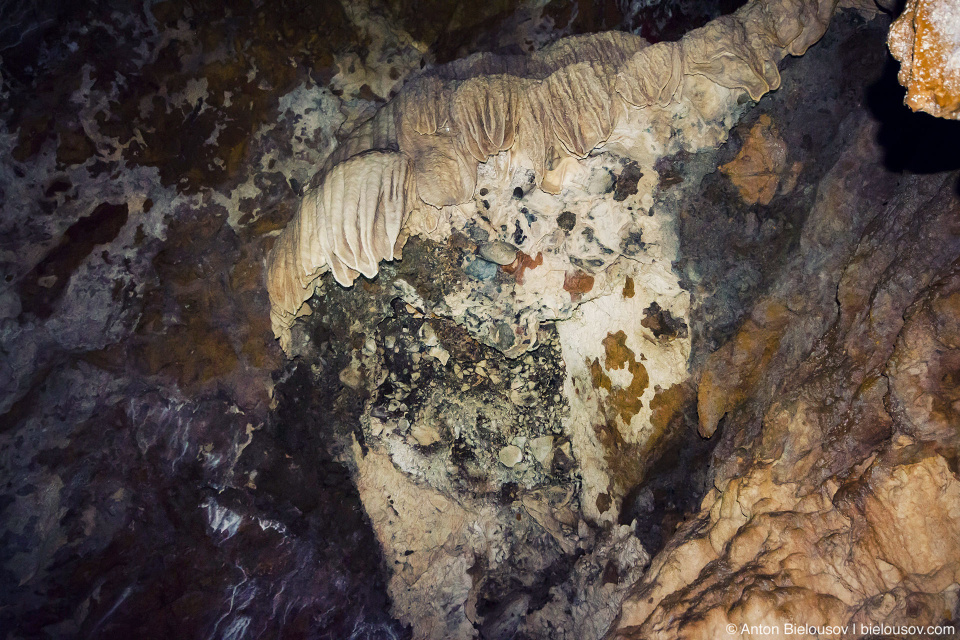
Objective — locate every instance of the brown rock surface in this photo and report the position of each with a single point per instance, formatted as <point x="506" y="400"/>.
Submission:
<point x="836" y="500"/>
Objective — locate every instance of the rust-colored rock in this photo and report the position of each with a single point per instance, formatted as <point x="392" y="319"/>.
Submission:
<point x="732" y="371"/>
<point x="623" y="401"/>
<point x="759" y="168"/>
<point x="578" y="283"/>
<point x="521" y="264"/>
<point x="926" y="41"/>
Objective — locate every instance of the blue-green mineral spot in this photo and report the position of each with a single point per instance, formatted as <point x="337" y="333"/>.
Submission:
<point x="480" y="269"/>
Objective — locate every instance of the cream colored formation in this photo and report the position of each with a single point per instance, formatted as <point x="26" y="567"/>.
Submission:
<point x="546" y="112"/>
<point x="566" y="117"/>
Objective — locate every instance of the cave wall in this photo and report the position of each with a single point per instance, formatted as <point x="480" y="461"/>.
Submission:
<point x="748" y="416"/>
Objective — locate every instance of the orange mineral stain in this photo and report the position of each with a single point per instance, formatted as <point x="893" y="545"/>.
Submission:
<point x="577" y="283"/>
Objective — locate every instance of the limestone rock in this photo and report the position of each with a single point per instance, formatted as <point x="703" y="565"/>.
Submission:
<point x="352" y="375"/>
<point x="541" y="114"/>
<point x="824" y="451"/>
<point x="925" y="39"/>
<point x="348" y="224"/>
<point x="835" y="447"/>
<point x="588" y="603"/>
<point x="541" y="448"/>
<point x="153" y="437"/>
<point x="923" y="384"/>
<point x="414" y="528"/>
<point x="498" y="252"/>
<point x="424" y="434"/>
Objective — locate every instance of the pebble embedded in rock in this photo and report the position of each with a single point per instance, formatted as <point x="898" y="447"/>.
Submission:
<point x="498" y="252"/>
<point x="428" y="335"/>
<point x="440" y="354"/>
<point x="505" y="336"/>
<point x="567" y="220"/>
<point x="522" y="398"/>
<point x="510" y="456"/>
<point x="351" y="375"/>
<point x="481" y="269"/>
<point x="541" y="448"/>
<point x="424" y="434"/>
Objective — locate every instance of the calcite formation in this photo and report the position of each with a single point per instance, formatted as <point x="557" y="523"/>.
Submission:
<point x="543" y="173"/>
<point x="925" y="39"/>
<point x="538" y="115"/>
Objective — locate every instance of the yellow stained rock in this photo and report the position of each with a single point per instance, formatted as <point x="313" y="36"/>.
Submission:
<point x="758" y="168"/>
<point x="926" y="41"/>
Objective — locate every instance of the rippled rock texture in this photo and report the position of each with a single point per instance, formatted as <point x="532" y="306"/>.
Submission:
<point x="745" y="414"/>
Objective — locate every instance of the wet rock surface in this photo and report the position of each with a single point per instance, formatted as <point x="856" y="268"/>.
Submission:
<point x="426" y="462"/>
<point x="148" y="155"/>
<point x="164" y="473"/>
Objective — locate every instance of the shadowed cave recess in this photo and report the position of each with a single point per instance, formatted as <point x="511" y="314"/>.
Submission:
<point x="525" y="319"/>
